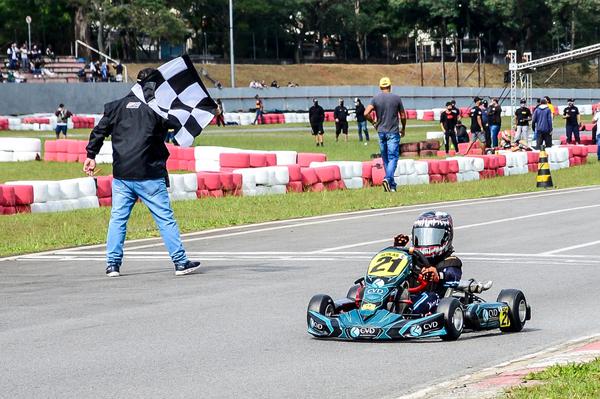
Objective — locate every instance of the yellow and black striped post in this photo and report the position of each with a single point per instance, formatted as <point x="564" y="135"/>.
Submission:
<point x="544" y="178"/>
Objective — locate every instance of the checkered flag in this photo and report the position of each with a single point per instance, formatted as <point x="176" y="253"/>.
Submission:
<point x="176" y="93"/>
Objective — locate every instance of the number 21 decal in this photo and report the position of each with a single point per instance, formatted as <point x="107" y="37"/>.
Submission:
<point x="388" y="264"/>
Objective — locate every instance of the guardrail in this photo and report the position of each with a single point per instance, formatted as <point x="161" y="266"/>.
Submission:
<point x="106" y="56"/>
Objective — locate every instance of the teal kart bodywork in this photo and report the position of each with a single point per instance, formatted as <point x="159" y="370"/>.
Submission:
<point x="382" y="310"/>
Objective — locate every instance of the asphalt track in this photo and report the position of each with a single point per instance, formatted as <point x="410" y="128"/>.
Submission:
<point x="238" y="328"/>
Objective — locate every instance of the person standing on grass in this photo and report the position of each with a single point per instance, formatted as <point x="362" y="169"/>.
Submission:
<point x="522" y="118"/>
<point x="140" y="172"/>
<point x="259" y="111"/>
<point x="361" y="120"/>
<point x="388" y="107"/>
<point x="220" y="113"/>
<point x="573" y="121"/>
<point x="62" y="119"/>
<point x="316" y="117"/>
<point x="340" y="114"/>
<point x="542" y="117"/>
<point x="495" y="120"/>
<point x="477" y="129"/>
<point x="448" y="120"/>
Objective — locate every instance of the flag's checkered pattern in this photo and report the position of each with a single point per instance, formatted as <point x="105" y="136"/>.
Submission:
<point x="176" y="93"/>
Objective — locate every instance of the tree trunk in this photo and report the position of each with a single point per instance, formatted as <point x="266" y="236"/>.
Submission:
<point x="573" y="29"/>
<point x="359" y="37"/>
<point x="82" y="31"/>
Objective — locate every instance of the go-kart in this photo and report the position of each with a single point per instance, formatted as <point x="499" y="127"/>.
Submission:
<point x="378" y="306"/>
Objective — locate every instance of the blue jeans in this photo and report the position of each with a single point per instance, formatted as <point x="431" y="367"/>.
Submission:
<point x="154" y="195"/>
<point x="494" y="130"/>
<point x="389" y="146"/>
<point x="362" y="126"/>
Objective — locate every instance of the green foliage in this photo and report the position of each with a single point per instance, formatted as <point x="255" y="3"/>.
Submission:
<point x="562" y="381"/>
<point x="302" y="29"/>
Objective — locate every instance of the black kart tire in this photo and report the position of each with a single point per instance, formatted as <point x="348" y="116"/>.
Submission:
<point x="517" y="309"/>
<point x="322" y="304"/>
<point x="454" y="318"/>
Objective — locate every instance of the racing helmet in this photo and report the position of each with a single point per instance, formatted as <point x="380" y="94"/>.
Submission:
<point x="432" y="235"/>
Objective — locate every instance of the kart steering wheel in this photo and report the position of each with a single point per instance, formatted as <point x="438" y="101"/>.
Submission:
<point x="422" y="285"/>
<point x="421" y="261"/>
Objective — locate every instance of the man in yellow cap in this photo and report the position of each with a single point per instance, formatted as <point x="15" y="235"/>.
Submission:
<point x="387" y="107"/>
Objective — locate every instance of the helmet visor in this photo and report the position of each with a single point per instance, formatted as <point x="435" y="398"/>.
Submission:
<point x="427" y="236"/>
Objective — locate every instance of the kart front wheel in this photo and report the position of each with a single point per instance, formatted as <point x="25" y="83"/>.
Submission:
<point x="454" y="318"/>
<point x="322" y="304"/>
<point x="518" y="310"/>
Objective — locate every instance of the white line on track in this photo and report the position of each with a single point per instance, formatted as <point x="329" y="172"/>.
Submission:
<point x="290" y="223"/>
<point x="468" y="226"/>
<point x="565" y="249"/>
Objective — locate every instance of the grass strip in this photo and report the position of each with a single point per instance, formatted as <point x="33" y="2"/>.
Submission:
<point x="580" y="381"/>
<point x="26" y="233"/>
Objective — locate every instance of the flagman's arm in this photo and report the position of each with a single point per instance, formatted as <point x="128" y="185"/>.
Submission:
<point x="102" y="130"/>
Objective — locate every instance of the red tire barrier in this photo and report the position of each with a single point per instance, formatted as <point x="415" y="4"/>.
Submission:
<point x="295" y="187"/>
<point x="435" y="178"/>
<point x="212" y="181"/>
<point x="295" y="173"/>
<point x="305" y="158"/>
<point x="23" y="195"/>
<point x="309" y="176"/>
<point x="7" y="196"/>
<point x="428" y="115"/>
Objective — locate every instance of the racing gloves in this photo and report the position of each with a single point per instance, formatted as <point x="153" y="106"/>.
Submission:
<point x="430" y="274"/>
<point x="401" y="240"/>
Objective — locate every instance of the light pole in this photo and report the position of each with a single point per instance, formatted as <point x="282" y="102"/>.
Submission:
<point x="28" y="20"/>
<point x="232" y="61"/>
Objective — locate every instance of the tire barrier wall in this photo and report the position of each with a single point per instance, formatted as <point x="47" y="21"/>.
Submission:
<point x="20" y="149"/>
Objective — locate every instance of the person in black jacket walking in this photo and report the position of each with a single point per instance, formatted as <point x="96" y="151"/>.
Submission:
<point x="361" y="120"/>
<point x="316" y="116"/>
<point x="140" y="172"/>
<point x="340" y="113"/>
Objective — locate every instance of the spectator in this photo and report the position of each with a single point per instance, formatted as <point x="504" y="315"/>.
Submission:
<point x="37" y="68"/>
<point x="340" y="114"/>
<point x="104" y="71"/>
<point x="119" y="72"/>
<point x="1" y="75"/>
<point x="550" y="106"/>
<point x="50" y="53"/>
<point x="36" y="54"/>
<point x="455" y="111"/>
<point x="25" y="58"/>
<point x="461" y="132"/>
<point x="542" y="117"/>
<point x="220" y="113"/>
<point x="140" y="172"/>
<point x="448" y="120"/>
<point x="573" y="121"/>
<point x="534" y="139"/>
<point x="361" y="120"/>
<point x="595" y="120"/>
<point x="522" y="118"/>
<point x="387" y="107"/>
<point x="316" y="116"/>
<point x="275" y="84"/>
<point x="259" y="111"/>
<point x="495" y="121"/>
<point x="218" y="85"/>
<point x="486" y="125"/>
<point x="477" y="127"/>
<point x="13" y="57"/>
<point x="62" y="119"/>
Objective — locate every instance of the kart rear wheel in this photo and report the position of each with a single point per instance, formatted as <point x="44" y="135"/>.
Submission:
<point x="518" y="310"/>
<point x="322" y="304"/>
<point x="454" y="318"/>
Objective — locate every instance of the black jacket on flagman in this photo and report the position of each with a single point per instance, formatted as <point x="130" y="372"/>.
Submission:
<point x="138" y="139"/>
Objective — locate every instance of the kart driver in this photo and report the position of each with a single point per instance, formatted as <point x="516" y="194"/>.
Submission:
<point x="432" y="235"/>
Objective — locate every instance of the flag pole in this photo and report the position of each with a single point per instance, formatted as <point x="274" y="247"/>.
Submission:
<point x="231" y="59"/>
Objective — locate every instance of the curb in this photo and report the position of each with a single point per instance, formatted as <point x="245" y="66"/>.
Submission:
<point x="493" y="381"/>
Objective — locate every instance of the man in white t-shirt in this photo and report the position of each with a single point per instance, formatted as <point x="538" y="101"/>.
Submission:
<point x="596" y="120"/>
